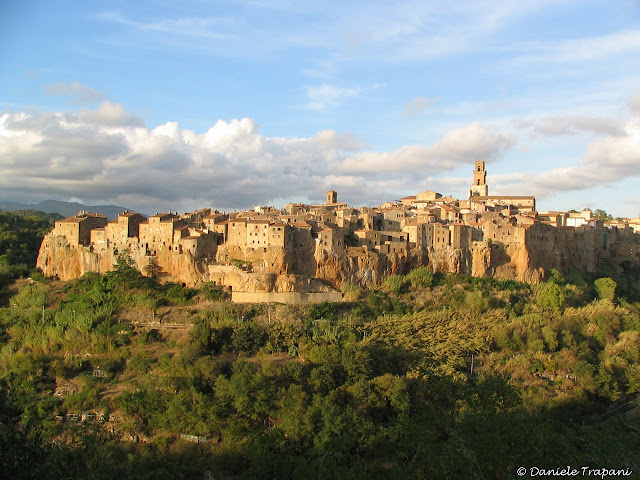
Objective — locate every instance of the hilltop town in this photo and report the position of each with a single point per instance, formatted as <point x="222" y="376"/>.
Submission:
<point x="308" y="252"/>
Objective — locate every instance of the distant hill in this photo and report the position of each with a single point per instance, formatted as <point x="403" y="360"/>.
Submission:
<point x="66" y="209"/>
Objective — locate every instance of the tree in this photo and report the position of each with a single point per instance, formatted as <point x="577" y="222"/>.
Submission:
<point x="601" y="215"/>
<point x="125" y="268"/>
<point x="550" y="295"/>
<point x="606" y="288"/>
<point x="152" y="269"/>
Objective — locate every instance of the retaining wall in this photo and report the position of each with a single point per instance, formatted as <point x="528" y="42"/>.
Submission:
<point x="285" y="297"/>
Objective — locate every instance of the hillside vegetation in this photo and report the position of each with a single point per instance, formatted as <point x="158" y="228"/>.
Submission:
<point x="21" y="234"/>
<point x="426" y="377"/>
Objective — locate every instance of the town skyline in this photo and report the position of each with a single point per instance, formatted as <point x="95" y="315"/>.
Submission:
<point x="235" y="105"/>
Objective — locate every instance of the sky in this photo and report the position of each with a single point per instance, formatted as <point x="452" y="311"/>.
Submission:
<point x="175" y="106"/>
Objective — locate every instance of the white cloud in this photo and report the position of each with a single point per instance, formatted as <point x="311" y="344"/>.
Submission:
<point x="110" y="114"/>
<point x="456" y="148"/>
<point x="106" y="155"/>
<point x="607" y="161"/>
<point x="79" y="94"/>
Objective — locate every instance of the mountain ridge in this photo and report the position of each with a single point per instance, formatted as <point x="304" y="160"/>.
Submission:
<point x="66" y="209"/>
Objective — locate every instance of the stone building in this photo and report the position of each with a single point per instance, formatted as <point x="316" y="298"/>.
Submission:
<point x="161" y="230"/>
<point x="77" y="229"/>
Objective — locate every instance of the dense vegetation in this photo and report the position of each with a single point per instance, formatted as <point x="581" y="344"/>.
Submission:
<point x="427" y="377"/>
<point x="20" y="237"/>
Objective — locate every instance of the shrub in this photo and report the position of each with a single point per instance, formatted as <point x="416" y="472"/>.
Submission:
<point x="180" y="295"/>
<point x="475" y="301"/>
<point x="351" y="292"/>
<point x="150" y="336"/>
<point x="394" y="283"/>
<point x="420" y="277"/>
<point x="248" y="337"/>
<point x="211" y="291"/>
<point x="140" y="363"/>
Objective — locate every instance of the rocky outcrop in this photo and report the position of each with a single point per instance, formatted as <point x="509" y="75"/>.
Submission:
<point x="57" y="258"/>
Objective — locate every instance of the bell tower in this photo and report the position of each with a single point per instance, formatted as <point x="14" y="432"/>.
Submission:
<point x="479" y="186"/>
<point x="332" y="196"/>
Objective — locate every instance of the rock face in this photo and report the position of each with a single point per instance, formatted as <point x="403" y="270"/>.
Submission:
<point x="275" y="269"/>
<point x="58" y="258"/>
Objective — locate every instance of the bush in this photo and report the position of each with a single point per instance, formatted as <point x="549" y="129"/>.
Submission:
<point x="351" y="292"/>
<point x="179" y="295"/>
<point x="420" y="277"/>
<point x="140" y="363"/>
<point x="394" y="283"/>
<point x="213" y="292"/>
<point x="248" y="337"/>
<point x="150" y="336"/>
<point x="475" y="301"/>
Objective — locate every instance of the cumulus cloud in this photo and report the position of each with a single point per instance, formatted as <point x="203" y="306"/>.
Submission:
<point x="110" y="114"/>
<point x="78" y="93"/>
<point x="456" y="148"/>
<point x="108" y="155"/>
<point x="608" y="160"/>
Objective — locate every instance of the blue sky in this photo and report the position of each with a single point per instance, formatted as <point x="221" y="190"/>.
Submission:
<point x="180" y="105"/>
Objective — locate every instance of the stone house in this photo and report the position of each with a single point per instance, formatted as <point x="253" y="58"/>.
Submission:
<point x="428" y="196"/>
<point x="237" y="232"/>
<point x="161" y="231"/>
<point x="441" y="238"/>
<point x="257" y="233"/>
<point x="77" y="229"/>
<point x="461" y="236"/>
<point x="127" y="225"/>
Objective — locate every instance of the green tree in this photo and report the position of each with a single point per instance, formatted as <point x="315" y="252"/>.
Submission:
<point x="125" y="269"/>
<point x="601" y="215"/>
<point x="152" y="269"/>
<point x="550" y="295"/>
<point x="606" y="288"/>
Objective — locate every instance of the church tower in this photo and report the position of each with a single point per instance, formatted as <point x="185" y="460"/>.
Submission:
<point x="332" y="196"/>
<point x="479" y="187"/>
